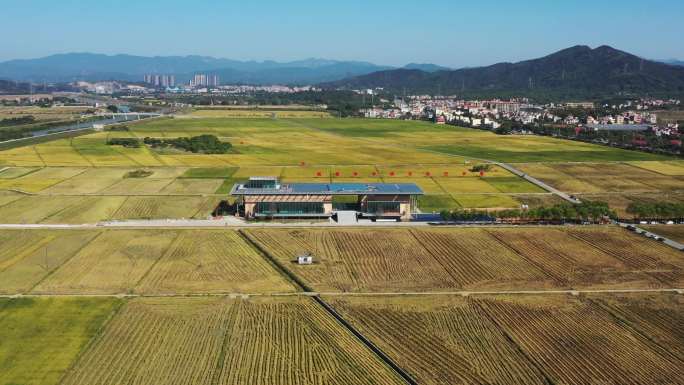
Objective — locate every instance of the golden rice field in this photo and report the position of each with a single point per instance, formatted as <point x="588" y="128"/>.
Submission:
<point x="525" y="339"/>
<point x="311" y="149"/>
<point x="399" y="260"/>
<point x="443" y="340"/>
<point x="657" y="317"/>
<point x="222" y="306"/>
<point x="150" y="262"/>
<point x="208" y="261"/>
<point x="89" y="195"/>
<point x="591" y="178"/>
<point x="226" y="341"/>
<point x="573" y="341"/>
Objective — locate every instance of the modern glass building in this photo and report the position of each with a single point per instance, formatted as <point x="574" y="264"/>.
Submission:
<point x="266" y="197"/>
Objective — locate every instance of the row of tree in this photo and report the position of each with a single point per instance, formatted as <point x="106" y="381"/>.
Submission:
<point x="656" y="210"/>
<point x="585" y="211"/>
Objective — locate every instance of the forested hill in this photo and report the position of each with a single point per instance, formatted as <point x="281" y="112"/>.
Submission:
<point x="577" y="72"/>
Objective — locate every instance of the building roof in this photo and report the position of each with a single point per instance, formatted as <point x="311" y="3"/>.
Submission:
<point x="331" y="189"/>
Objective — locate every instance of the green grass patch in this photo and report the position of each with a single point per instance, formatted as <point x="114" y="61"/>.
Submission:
<point x="436" y="203"/>
<point x="483" y="201"/>
<point x="210" y="173"/>
<point x="40" y="338"/>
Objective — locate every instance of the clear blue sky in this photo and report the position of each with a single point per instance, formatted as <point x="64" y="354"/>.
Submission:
<point x="394" y="32"/>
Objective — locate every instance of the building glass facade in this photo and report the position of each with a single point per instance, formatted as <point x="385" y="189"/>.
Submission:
<point x="289" y="208"/>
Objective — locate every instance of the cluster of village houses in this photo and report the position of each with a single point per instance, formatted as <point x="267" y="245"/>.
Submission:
<point x="491" y="113"/>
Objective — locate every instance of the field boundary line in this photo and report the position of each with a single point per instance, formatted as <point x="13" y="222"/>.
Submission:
<point x="51" y="272"/>
<point x="218" y="368"/>
<point x="645" y="169"/>
<point x="367" y="342"/>
<point x="557" y="279"/>
<point x="32" y="249"/>
<point x="275" y="263"/>
<point x="35" y="150"/>
<point x="159" y="192"/>
<point x="135" y="162"/>
<point x="10" y="202"/>
<point x="97" y="193"/>
<point x="94" y="339"/>
<point x="63" y="209"/>
<point x="511" y="340"/>
<point x="85" y="169"/>
<point x="153" y="154"/>
<point x="156" y="261"/>
<point x="619" y="257"/>
<point x="71" y="144"/>
<point x="35" y="169"/>
<point x="431" y="254"/>
<point x="633" y="329"/>
<point x="327" y="308"/>
<point x="120" y="207"/>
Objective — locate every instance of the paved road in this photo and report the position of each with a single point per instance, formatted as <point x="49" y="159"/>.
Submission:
<point x="645" y="233"/>
<point x="539" y="183"/>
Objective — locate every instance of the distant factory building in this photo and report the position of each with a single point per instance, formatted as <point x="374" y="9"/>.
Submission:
<point x="266" y="197"/>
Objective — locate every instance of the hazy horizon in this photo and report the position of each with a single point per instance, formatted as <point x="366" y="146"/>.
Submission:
<point x="447" y="33"/>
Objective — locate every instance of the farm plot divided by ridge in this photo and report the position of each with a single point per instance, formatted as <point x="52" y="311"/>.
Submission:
<point x="663" y="263"/>
<point x="151" y="262"/>
<point x="226" y="341"/>
<point x="212" y="261"/>
<point x="572" y="262"/>
<point x="440" y="340"/>
<point x="605" y="177"/>
<point x="574" y="341"/>
<point x="524" y="339"/>
<point x="113" y="262"/>
<point x="28" y="256"/>
<point x="658" y="317"/>
<point x="391" y="260"/>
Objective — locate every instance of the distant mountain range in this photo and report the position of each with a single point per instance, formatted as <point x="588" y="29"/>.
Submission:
<point x="94" y="67"/>
<point x="575" y="72"/>
<point x="674" y="62"/>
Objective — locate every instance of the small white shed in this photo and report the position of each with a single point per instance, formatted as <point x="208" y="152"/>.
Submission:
<point x="305" y="259"/>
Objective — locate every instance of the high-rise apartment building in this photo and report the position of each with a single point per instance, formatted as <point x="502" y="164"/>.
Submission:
<point x="160" y="80"/>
